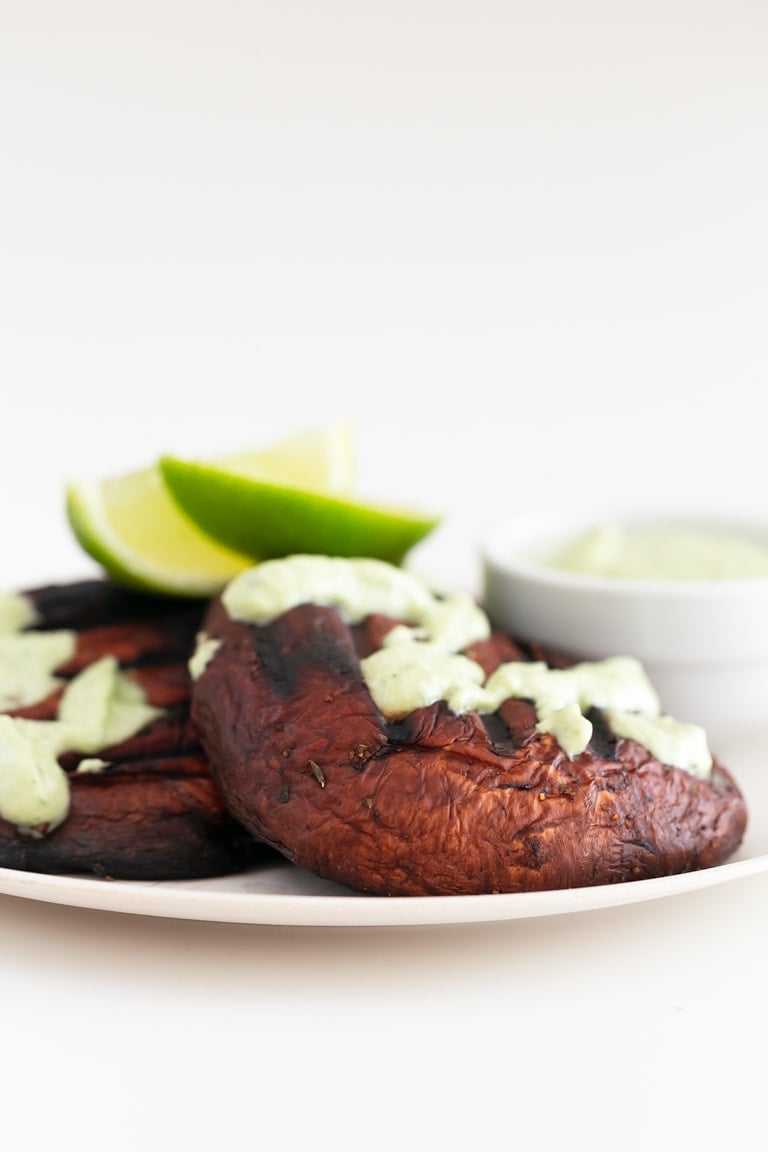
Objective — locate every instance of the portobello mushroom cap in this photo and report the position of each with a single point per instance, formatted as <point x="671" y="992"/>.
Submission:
<point x="152" y="811"/>
<point x="434" y="803"/>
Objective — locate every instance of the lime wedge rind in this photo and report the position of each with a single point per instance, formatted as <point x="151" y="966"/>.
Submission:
<point x="263" y="519"/>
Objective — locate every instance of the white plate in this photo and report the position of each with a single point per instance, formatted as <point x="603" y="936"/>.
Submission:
<point x="282" y="894"/>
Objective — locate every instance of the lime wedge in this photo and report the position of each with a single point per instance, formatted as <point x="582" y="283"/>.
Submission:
<point x="262" y="518"/>
<point x="134" y="529"/>
<point x="319" y="458"/>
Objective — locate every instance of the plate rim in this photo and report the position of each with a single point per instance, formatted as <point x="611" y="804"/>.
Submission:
<point x="188" y="900"/>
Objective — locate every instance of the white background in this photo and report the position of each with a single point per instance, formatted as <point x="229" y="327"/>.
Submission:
<point x="523" y="248"/>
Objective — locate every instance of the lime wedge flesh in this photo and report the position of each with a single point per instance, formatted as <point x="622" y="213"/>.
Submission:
<point x="321" y="458"/>
<point x="262" y="519"/>
<point x="133" y="529"/>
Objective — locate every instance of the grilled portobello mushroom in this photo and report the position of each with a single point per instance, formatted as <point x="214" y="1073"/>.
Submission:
<point x="145" y="807"/>
<point x="433" y="801"/>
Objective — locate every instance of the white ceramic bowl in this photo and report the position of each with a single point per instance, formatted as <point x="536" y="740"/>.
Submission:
<point x="703" y="642"/>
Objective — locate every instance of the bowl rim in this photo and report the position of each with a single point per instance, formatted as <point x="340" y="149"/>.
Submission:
<point x="500" y="559"/>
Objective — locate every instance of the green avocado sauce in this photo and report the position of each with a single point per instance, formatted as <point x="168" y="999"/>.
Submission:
<point x="663" y="554"/>
<point x="423" y="662"/>
<point x="99" y="707"/>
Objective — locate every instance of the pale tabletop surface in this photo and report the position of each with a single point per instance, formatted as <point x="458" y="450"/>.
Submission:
<point x="522" y="248"/>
